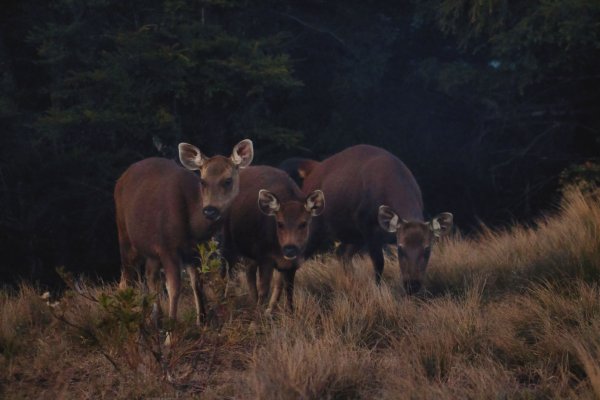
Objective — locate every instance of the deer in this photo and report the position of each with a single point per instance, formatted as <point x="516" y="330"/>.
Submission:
<point x="269" y="225"/>
<point x="163" y="210"/>
<point x="372" y="199"/>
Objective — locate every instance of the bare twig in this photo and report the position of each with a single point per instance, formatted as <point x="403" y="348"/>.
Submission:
<point x="86" y="332"/>
<point x="523" y="152"/>
<point x="319" y="30"/>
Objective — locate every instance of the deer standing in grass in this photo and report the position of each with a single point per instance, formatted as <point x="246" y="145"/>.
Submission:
<point x="269" y="224"/>
<point x="163" y="211"/>
<point x="372" y="199"/>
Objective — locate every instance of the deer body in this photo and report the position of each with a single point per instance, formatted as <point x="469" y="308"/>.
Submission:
<point x="269" y="224"/>
<point x="164" y="210"/>
<point x="357" y="182"/>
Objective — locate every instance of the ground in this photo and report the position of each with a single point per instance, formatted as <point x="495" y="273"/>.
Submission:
<point x="506" y="314"/>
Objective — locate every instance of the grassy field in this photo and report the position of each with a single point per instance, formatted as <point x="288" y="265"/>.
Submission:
<point x="511" y="314"/>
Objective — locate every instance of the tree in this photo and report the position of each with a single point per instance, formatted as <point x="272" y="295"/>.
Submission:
<point x="127" y="80"/>
<point x="527" y="74"/>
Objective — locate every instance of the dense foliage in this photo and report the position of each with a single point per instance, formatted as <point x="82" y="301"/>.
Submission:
<point x="486" y="101"/>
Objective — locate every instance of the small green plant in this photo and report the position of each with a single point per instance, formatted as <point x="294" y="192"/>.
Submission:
<point x="210" y="256"/>
<point x="212" y="264"/>
<point x="119" y="326"/>
<point x="125" y="313"/>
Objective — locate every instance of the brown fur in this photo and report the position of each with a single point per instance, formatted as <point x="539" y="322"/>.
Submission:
<point x="161" y="215"/>
<point x="252" y="234"/>
<point x="356" y="181"/>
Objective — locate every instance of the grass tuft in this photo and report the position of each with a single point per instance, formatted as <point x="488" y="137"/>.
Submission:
<point x="512" y="313"/>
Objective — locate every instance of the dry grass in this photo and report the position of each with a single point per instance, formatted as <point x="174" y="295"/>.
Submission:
<point x="509" y="314"/>
<point x="559" y="248"/>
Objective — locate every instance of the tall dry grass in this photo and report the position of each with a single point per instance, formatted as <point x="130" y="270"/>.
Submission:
<point x="511" y="314"/>
<point x="558" y="248"/>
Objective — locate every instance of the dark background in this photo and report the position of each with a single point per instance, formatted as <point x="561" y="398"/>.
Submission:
<point x="487" y="102"/>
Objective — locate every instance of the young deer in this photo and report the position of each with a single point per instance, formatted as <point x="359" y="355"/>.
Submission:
<point x="270" y="224"/>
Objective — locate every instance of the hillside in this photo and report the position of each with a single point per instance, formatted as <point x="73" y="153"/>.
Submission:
<point x="507" y="314"/>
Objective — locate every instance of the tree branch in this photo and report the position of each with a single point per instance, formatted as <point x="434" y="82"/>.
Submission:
<point x="319" y="30"/>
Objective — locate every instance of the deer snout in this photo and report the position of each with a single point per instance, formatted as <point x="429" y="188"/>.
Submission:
<point x="412" y="286"/>
<point x="211" y="213"/>
<point x="290" y="251"/>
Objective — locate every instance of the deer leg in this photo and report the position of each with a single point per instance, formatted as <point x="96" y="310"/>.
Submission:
<point x="251" y="280"/>
<point x="344" y="253"/>
<point x="228" y="261"/>
<point x="154" y="282"/>
<point x="227" y="269"/>
<point x="129" y="267"/>
<point x="171" y="266"/>
<point x="265" y="275"/>
<point x="197" y="288"/>
<point x="276" y="293"/>
<point x="288" y="281"/>
<point x="376" y="254"/>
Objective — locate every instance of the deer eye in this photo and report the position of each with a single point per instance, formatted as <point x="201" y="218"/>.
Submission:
<point x="227" y="182"/>
<point x="280" y="225"/>
<point x="302" y="225"/>
<point x="203" y="183"/>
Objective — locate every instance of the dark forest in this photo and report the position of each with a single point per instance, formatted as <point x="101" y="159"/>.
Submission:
<point x="494" y="105"/>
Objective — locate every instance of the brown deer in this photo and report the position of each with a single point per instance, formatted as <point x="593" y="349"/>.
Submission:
<point x="269" y="224"/>
<point x="164" y="210"/>
<point x="357" y="182"/>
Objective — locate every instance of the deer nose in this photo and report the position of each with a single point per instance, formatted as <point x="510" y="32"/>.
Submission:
<point x="290" y="252"/>
<point x="412" y="286"/>
<point x="211" y="213"/>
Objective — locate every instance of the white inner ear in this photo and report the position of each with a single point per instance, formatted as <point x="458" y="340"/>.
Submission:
<point x="312" y="203"/>
<point x="199" y="160"/>
<point x="394" y="222"/>
<point x="269" y="200"/>
<point x="239" y="160"/>
<point x="190" y="163"/>
<point x="236" y="158"/>
<point x="274" y="204"/>
<point x="436" y="227"/>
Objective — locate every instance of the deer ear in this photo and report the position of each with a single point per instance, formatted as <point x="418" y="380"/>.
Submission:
<point x="441" y="224"/>
<point x="243" y="153"/>
<point x="388" y="219"/>
<point x="190" y="156"/>
<point x="268" y="203"/>
<point x="315" y="203"/>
